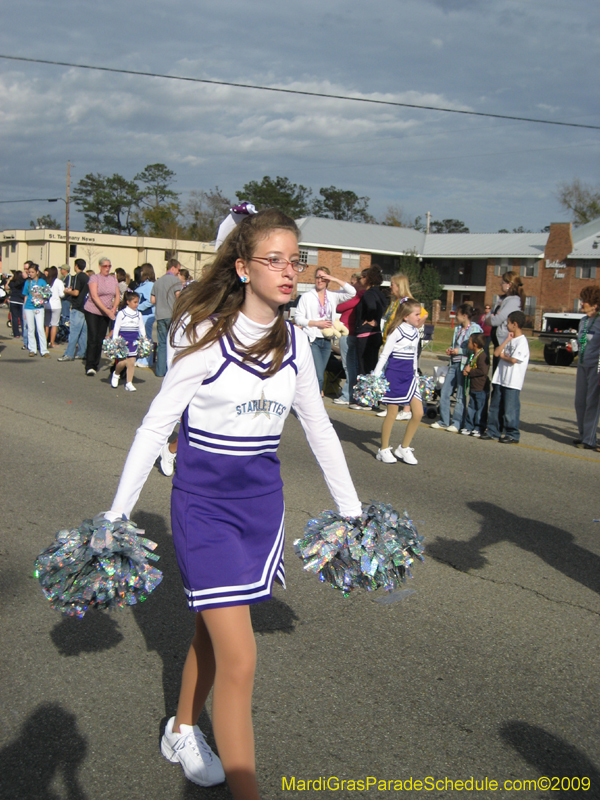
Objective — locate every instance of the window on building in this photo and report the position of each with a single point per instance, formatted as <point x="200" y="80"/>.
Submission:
<point x="583" y="270"/>
<point x="309" y="255"/>
<point x="577" y="305"/>
<point x="501" y="266"/>
<point x="6" y="251"/>
<point x="529" y="268"/>
<point x="13" y="247"/>
<point x="170" y="254"/>
<point x="72" y="251"/>
<point x="350" y="259"/>
<point x="529" y="306"/>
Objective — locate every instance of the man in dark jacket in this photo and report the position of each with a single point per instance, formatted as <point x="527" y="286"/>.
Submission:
<point x="77" y="293"/>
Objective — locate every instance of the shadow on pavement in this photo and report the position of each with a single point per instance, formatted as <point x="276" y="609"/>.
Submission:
<point x="367" y="441"/>
<point x="553" y="545"/>
<point x="49" y="751"/>
<point x="273" y="615"/>
<point x="552" y="757"/>
<point x="97" y="631"/>
<point x="563" y="434"/>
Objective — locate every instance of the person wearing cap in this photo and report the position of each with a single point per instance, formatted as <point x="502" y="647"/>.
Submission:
<point x="65" y="276"/>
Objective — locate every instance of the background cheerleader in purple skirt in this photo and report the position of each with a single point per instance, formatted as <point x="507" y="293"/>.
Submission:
<point x="399" y="360"/>
<point x="129" y="324"/>
<point x="237" y="370"/>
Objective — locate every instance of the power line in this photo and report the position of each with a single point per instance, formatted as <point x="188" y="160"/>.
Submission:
<point x="35" y="200"/>
<point x="298" y="92"/>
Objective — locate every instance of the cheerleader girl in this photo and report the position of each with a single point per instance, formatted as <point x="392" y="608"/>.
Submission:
<point x="238" y="369"/>
<point x="402" y="350"/>
<point x="129" y="324"/>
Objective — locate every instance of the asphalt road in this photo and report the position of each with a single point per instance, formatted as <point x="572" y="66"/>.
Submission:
<point x="489" y="669"/>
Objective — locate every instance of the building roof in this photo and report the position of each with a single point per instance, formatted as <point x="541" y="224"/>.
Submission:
<point x="359" y="236"/>
<point x="486" y="245"/>
<point x="584" y="238"/>
<point x="385" y="239"/>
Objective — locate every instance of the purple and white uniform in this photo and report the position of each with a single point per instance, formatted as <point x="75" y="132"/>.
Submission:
<point x="401" y="352"/>
<point x="227" y="502"/>
<point x="130" y="325"/>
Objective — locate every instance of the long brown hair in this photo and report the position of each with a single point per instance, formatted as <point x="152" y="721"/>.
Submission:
<point x="402" y="312"/>
<point x="52" y="275"/>
<point x="516" y="286"/>
<point x="219" y="294"/>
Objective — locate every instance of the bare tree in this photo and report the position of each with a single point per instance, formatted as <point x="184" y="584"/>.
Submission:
<point x="581" y="199"/>
<point x="396" y="217"/>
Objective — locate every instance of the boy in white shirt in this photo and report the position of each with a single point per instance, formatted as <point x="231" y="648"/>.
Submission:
<point x="505" y="405"/>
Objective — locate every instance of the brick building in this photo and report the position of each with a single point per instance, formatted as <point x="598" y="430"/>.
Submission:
<point x="554" y="266"/>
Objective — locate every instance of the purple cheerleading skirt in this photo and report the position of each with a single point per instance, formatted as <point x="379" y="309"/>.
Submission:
<point x="131" y="337"/>
<point x="229" y="551"/>
<point x="404" y="384"/>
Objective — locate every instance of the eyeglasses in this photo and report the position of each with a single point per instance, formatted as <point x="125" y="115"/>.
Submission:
<point x="279" y="264"/>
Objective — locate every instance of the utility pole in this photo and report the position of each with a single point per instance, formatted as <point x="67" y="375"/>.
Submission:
<point x="428" y="221"/>
<point x="67" y="244"/>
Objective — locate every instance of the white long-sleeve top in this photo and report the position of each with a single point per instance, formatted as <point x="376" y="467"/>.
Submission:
<point x="58" y="292"/>
<point x="403" y="344"/>
<point x="309" y="306"/>
<point x="129" y="320"/>
<point x="232" y="418"/>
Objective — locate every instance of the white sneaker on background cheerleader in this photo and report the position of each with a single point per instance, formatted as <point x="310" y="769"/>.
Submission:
<point x="189" y="748"/>
<point x="114" y="380"/>
<point x="129" y="387"/>
<point x="406" y="454"/>
<point x="167" y="461"/>
<point x="386" y="456"/>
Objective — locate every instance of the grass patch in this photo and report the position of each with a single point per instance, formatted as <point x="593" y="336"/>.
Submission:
<point x="442" y="339"/>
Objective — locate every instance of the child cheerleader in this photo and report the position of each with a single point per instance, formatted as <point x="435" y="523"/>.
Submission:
<point x="402" y="350"/>
<point x="237" y="371"/>
<point x="129" y="324"/>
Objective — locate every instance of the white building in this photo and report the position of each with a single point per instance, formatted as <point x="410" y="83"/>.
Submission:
<point x="47" y="248"/>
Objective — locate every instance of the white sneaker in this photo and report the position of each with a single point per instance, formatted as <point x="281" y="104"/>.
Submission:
<point x="167" y="461"/>
<point x="465" y="432"/>
<point x="404" y="415"/>
<point x="382" y="413"/>
<point x="476" y="434"/>
<point x="438" y="426"/>
<point x="452" y="429"/>
<point x="406" y="454"/>
<point x="339" y="401"/>
<point x="189" y="748"/>
<point x="386" y="456"/>
<point x="114" y="380"/>
<point x="357" y="407"/>
<point x="129" y="387"/>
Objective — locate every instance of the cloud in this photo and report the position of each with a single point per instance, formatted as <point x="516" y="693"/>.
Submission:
<point x="481" y="56"/>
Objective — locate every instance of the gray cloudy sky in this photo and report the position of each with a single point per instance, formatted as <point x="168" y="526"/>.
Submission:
<point x="532" y="58"/>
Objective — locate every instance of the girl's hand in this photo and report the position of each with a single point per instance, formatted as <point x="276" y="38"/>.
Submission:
<point x="320" y="323"/>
